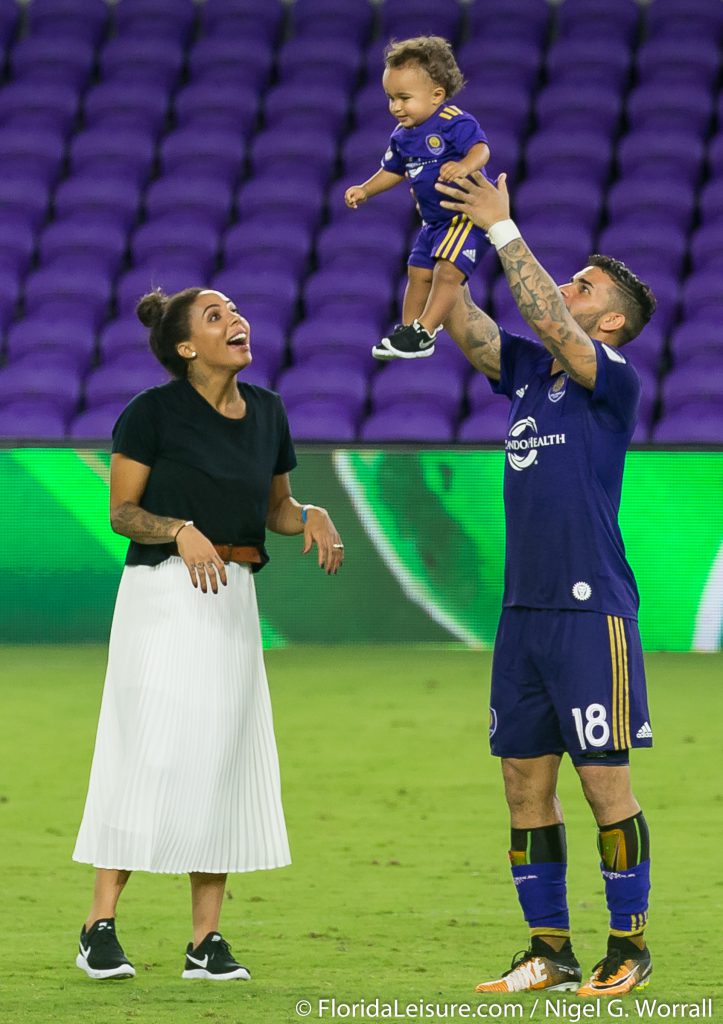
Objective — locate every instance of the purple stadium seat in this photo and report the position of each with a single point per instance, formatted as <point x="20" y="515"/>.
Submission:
<point x="68" y="19"/>
<point x="83" y="242"/>
<point x="488" y="424"/>
<point x="37" y="333"/>
<point x="568" y="106"/>
<point x="96" y="424"/>
<point x="371" y="106"/>
<point x="172" y="275"/>
<point x="330" y="106"/>
<point x="479" y="393"/>
<point x="303" y="383"/>
<point x="319" y="337"/>
<point x="702" y="295"/>
<point x="9" y="288"/>
<point x="322" y="420"/>
<point x="162" y="19"/>
<point x="671" y="62"/>
<point x="119" y="384"/>
<point x="686" y="108"/>
<point x="41" y="59"/>
<point x="244" y="61"/>
<point x="412" y="423"/>
<point x="521" y="19"/>
<point x="31" y="152"/>
<point x="201" y="196"/>
<point x="363" y="149"/>
<point x="102" y="195"/>
<point x="498" y="106"/>
<point x="129" y="152"/>
<point x="28" y="420"/>
<point x="125" y="105"/>
<point x="681" y="19"/>
<point x="136" y="358"/>
<point x="192" y="152"/>
<point x="647" y="349"/>
<point x="394" y="205"/>
<point x="699" y="379"/>
<point x="582" y="154"/>
<point x="216" y="105"/>
<point x="155" y="62"/>
<point x="243" y="18"/>
<point x="271" y="149"/>
<point x="598" y="19"/>
<point x="690" y="425"/>
<point x="38" y="105"/>
<point x="496" y="61"/>
<point x="582" y="59"/>
<point x="711" y="201"/>
<point x="715" y="155"/>
<point x="35" y="382"/>
<point x="251" y="240"/>
<point x="660" y="245"/>
<point x="364" y="291"/>
<point x="311" y="60"/>
<point x="331" y="20"/>
<point x="697" y="339"/>
<point x="241" y="283"/>
<point x="17" y="242"/>
<point x="660" y="154"/>
<point x="360" y="243"/>
<point x="62" y="360"/>
<point x="573" y="200"/>
<point x="400" y="385"/>
<point x="122" y="336"/>
<point x="175" y="238"/>
<point x="706" y="247"/>
<point x="400" y="19"/>
<point x="63" y="288"/>
<point x="632" y="200"/>
<point x="505" y="154"/>
<point x="8" y="22"/>
<point x="271" y="203"/>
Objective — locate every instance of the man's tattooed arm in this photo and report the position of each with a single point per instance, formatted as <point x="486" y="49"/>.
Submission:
<point x="130" y="520"/>
<point x="476" y="334"/>
<point x="543" y="307"/>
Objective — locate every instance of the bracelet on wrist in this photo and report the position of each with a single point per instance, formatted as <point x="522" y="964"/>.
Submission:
<point x="502" y="233"/>
<point x="189" y="522"/>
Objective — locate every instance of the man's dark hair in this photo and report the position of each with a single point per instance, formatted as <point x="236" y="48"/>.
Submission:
<point x="168" y="319"/>
<point x="431" y="53"/>
<point x="634" y="298"/>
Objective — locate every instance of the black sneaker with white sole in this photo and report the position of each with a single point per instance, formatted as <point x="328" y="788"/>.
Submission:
<point x="212" y="959"/>
<point x="101" y="955"/>
<point x="406" y="342"/>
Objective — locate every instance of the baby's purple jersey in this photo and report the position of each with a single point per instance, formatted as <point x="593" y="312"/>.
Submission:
<point x="565" y="451"/>
<point x="419" y="152"/>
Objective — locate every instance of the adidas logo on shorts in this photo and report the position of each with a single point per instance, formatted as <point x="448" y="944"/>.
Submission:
<point x="471" y="254"/>
<point x="644" y="732"/>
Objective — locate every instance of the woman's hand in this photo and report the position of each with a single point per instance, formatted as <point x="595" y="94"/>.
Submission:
<point x="320" y="530"/>
<point x="202" y="560"/>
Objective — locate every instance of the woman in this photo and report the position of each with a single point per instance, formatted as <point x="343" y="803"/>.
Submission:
<point x="185" y="774"/>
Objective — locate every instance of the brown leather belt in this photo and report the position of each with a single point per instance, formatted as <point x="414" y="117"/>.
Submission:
<point x="238" y="553"/>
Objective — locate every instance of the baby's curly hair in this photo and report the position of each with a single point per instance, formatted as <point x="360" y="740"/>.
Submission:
<point x="431" y="53"/>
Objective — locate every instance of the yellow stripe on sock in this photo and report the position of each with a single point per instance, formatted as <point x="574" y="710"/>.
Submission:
<point x="461" y="242"/>
<point x="442" y="252"/>
<point x="562" y="933"/>
<point x="450" y="232"/>
<point x="614" y="672"/>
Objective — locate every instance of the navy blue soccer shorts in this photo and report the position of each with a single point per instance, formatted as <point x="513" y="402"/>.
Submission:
<point x="459" y="241"/>
<point x="568" y="681"/>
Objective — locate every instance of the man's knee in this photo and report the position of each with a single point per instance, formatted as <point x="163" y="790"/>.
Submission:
<point x="530" y="783"/>
<point x="608" y="791"/>
<point x="447" y="273"/>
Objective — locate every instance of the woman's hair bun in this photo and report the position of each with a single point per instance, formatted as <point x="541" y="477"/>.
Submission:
<point x="151" y="308"/>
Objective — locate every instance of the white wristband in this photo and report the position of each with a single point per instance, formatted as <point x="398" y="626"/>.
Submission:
<point x="502" y="233"/>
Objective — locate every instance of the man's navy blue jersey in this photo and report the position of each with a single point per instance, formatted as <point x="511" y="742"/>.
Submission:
<point x="419" y="152"/>
<point x="565" y="452"/>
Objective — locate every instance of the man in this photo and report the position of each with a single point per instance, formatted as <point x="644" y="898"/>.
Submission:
<point x="567" y="673"/>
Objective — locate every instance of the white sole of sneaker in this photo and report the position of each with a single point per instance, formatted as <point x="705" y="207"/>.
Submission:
<point x="382" y="352"/>
<point x="124" y="971"/>
<point x="199" y="972"/>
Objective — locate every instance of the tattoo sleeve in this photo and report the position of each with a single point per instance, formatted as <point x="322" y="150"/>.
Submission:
<point x="477" y="335"/>
<point x="143" y="527"/>
<point x="543" y="307"/>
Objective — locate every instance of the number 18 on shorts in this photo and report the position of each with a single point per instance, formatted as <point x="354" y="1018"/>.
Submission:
<point x="567" y="681"/>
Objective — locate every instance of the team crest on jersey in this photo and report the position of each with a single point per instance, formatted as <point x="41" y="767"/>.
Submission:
<point x="557" y="390"/>
<point x="435" y="144"/>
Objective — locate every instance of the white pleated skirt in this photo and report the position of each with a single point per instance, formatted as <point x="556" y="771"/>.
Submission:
<point x="185" y="773"/>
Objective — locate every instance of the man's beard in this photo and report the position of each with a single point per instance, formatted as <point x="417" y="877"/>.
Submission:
<point x="588" y="322"/>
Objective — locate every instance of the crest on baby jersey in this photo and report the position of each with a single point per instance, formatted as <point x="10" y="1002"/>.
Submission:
<point x="435" y="144"/>
<point x="557" y="389"/>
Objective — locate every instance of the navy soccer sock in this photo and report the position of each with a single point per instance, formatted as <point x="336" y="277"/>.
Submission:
<point x="625" y="851"/>
<point x="539" y="867"/>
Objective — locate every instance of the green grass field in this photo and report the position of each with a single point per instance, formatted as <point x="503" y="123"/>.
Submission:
<point x="400" y="886"/>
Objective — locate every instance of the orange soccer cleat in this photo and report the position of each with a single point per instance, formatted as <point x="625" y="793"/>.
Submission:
<point x="624" y="968"/>
<point x="539" y="967"/>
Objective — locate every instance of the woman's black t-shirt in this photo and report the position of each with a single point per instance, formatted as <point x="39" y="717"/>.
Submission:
<point x="206" y="467"/>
